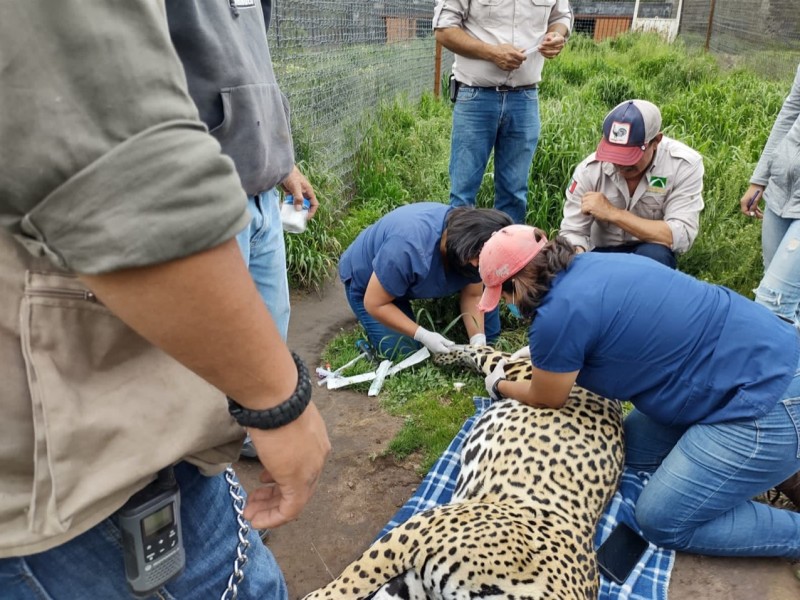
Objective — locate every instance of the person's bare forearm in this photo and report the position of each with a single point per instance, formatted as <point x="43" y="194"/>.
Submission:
<point x="472" y="317"/>
<point x="647" y="230"/>
<point x="391" y="316"/>
<point x="205" y="311"/>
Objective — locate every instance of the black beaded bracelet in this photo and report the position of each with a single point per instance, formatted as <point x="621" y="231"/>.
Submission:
<point x="282" y="414"/>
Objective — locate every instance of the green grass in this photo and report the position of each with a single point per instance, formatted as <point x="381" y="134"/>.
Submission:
<point x="724" y="113"/>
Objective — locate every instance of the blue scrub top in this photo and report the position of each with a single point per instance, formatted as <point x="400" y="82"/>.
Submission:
<point x="402" y="249"/>
<point x="681" y="350"/>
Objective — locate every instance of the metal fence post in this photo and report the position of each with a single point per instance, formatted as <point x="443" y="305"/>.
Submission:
<point x="710" y="24"/>
<point x="437" y="71"/>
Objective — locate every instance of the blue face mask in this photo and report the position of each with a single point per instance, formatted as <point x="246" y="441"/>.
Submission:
<point x="512" y="307"/>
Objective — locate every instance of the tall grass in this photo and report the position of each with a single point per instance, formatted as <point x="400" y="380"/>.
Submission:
<point x="724" y="113"/>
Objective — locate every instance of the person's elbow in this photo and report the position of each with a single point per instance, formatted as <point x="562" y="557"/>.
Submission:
<point x="444" y="35"/>
<point x="372" y="305"/>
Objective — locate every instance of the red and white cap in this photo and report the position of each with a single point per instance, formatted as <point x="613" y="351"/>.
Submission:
<point x="503" y="256"/>
<point x="627" y="129"/>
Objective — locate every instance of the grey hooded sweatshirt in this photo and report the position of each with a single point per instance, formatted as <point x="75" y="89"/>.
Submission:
<point x="223" y="47"/>
<point x="779" y="166"/>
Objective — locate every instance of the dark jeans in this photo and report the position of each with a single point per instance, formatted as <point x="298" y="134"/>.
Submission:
<point x="657" y="252"/>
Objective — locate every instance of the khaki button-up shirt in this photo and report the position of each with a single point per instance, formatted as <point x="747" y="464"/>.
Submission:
<point x="521" y="23"/>
<point x="671" y="191"/>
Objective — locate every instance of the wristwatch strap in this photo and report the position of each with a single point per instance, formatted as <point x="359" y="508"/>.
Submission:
<point x="496" y="393"/>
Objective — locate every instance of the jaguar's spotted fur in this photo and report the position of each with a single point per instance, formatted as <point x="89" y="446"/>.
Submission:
<point x="532" y="487"/>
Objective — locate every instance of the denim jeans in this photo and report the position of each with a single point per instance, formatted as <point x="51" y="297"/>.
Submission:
<point x="506" y="121"/>
<point x="390" y="343"/>
<point x="263" y="249"/>
<point x="91" y="565"/>
<point x="704" y="476"/>
<point x="658" y="252"/>
<point x="779" y="289"/>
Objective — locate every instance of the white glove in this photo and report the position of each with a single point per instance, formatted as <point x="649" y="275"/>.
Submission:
<point x="524" y="352"/>
<point x="438" y="344"/>
<point x="479" y="339"/>
<point x="497" y="374"/>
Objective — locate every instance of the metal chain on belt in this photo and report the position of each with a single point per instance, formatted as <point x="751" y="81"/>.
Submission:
<point x="235" y="490"/>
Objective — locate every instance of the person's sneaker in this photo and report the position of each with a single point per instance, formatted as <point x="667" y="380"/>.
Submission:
<point x="248" y="449"/>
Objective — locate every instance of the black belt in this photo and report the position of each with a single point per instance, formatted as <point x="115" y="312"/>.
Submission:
<point x="503" y="88"/>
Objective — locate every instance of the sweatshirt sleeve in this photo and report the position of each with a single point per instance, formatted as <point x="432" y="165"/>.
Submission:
<point x="105" y="164"/>
<point x="787" y="117"/>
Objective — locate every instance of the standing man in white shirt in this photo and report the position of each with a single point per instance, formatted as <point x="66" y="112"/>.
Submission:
<point x="500" y="47"/>
<point x="641" y="192"/>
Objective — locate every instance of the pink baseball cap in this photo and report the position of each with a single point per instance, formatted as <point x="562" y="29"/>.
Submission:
<point x="503" y="256"/>
<point x="627" y="129"/>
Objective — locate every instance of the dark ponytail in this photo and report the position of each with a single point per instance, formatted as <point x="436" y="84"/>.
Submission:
<point x="533" y="281"/>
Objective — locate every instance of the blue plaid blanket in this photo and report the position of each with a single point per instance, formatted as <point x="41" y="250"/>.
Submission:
<point x="650" y="578"/>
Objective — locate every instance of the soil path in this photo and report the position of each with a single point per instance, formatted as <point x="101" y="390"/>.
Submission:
<point x="358" y="493"/>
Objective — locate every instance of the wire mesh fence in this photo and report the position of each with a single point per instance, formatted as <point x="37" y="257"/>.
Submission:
<point x="336" y="60"/>
<point x="761" y="34"/>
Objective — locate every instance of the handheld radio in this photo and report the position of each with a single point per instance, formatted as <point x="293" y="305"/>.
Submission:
<point x="151" y="535"/>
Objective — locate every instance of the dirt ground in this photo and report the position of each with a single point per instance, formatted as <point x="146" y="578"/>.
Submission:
<point x="360" y="491"/>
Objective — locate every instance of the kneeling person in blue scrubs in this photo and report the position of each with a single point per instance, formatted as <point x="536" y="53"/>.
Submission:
<point x="418" y="251"/>
<point x="712" y="375"/>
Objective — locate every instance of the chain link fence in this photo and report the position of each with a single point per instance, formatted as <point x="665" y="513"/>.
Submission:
<point x="336" y="60"/>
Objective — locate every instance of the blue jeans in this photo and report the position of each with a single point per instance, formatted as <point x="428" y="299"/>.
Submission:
<point x="263" y="249"/>
<point x="658" y="252"/>
<point x="704" y="476"/>
<point x="779" y="289"/>
<point x="506" y="121"/>
<point x="390" y="343"/>
<point x="91" y="565"/>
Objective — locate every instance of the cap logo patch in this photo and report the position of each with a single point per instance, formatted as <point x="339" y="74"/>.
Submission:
<point x="619" y="133"/>
<point x="502" y="271"/>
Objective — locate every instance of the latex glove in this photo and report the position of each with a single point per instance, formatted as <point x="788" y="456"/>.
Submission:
<point x="496" y="375"/>
<point x="479" y="339"/>
<point x="438" y="344"/>
<point x="524" y="352"/>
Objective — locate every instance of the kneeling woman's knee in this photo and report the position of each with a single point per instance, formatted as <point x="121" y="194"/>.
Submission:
<point x="661" y="528"/>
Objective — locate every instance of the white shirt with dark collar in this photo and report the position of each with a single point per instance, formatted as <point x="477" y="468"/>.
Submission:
<point x="670" y="191"/>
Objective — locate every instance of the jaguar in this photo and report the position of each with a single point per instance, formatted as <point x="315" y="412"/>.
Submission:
<point x="520" y="526"/>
